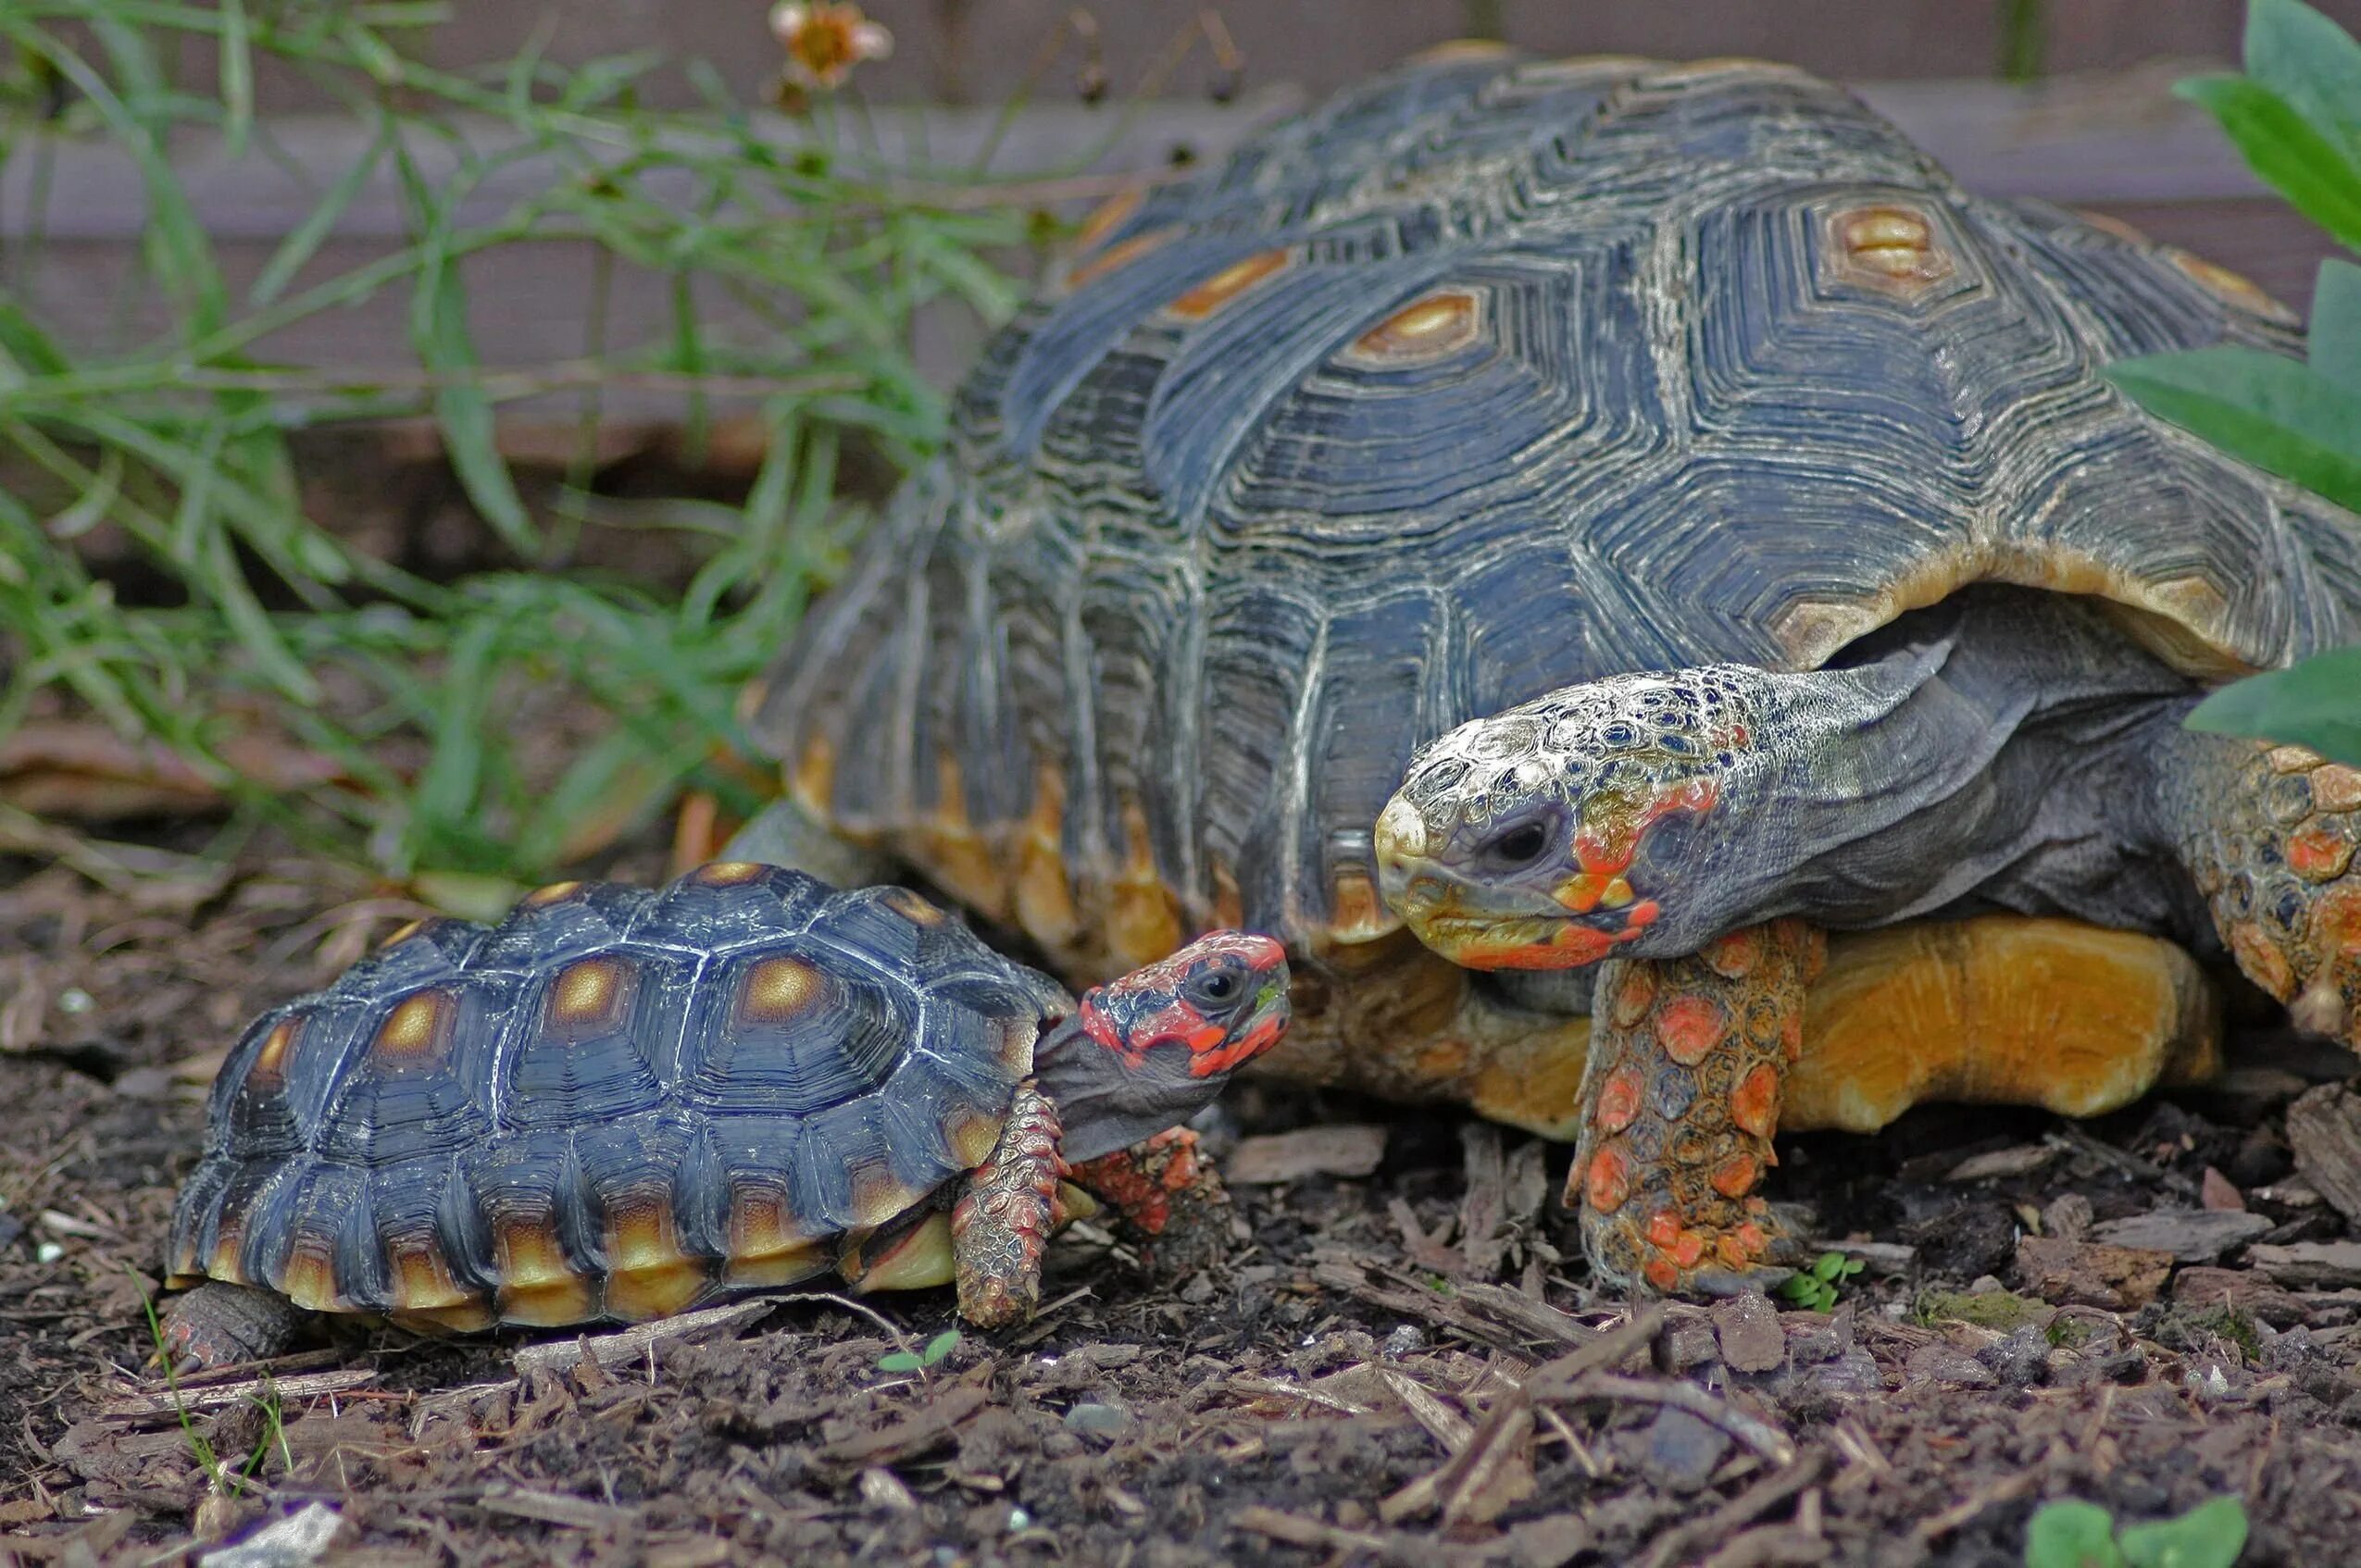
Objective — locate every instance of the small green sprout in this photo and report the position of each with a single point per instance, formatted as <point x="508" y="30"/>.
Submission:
<point x="937" y="1348"/>
<point x="1817" y="1288"/>
<point x="2083" y="1535"/>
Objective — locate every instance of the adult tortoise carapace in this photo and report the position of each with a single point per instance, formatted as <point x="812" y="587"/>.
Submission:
<point x="619" y="1103"/>
<point x="1492" y="380"/>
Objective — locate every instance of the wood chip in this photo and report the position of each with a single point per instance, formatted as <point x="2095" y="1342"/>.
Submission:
<point x="632" y="1344"/>
<point x="285" y="1389"/>
<point x="1391" y="1546"/>
<point x="914" y="1434"/>
<point x="1351" y="1149"/>
<point x="1495" y="1472"/>
<point x="1431" y="1412"/>
<point x="559" y="1508"/>
<point x="1483" y="1207"/>
<point x="2022" y="1160"/>
<point x="2191" y="1235"/>
<point x="2324" y="1129"/>
<point x="1748" y="1329"/>
<point x="2255" y="1293"/>
<point x="1683" y="1541"/>
<point x="2090" y="1273"/>
<point x="2218" y="1191"/>
<point x="1766" y="1439"/>
<point x="2329" y="1264"/>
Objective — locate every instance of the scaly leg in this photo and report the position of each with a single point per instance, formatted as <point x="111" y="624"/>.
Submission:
<point x="1681" y="1097"/>
<point x="1006" y="1213"/>
<point x="1168" y="1193"/>
<point x="219" y="1324"/>
<point x="2270" y="832"/>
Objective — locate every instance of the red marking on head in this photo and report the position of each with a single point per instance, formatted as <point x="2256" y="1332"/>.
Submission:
<point x="1689" y="1026"/>
<point x="1754" y="1104"/>
<point x="1133" y="1015"/>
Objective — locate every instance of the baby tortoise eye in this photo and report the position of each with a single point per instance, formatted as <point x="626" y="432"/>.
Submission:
<point x="1217" y="986"/>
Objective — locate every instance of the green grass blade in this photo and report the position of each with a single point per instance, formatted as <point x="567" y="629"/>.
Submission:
<point x="303" y="241"/>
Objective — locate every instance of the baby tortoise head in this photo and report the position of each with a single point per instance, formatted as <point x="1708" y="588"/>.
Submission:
<point x="1222" y="999"/>
<point x="1552" y="834"/>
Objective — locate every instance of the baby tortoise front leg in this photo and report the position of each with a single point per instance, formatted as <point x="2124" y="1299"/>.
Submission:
<point x="1169" y="1192"/>
<point x="1681" y="1097"/>
<point x="1005" y="1216"/>
<point x="220" y="1325"/>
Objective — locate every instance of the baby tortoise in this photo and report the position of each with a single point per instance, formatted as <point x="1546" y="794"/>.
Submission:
<point x="619" y="1104"/>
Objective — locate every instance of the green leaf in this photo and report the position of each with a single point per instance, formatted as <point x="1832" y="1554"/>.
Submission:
<point x="2335" y="347"/>
<point x="2315" y="703"/>
<point x="1828" y="1265"/>
<point x="2072" y="1534"/>
<point x="2284" y="150"/>
<point x="941" y="1344"/>
<point x="2311" y="62"/>
<point x="2274" y="411"/>
<point x="2209" y="1536"/>
<point x="898" y="1361"/>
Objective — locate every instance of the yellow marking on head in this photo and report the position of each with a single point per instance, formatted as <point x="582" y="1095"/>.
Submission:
<point x="726" y="873"/>
<point x="2235" y="288"/>
<point x="589" y="997"/>
<point x="556" y="892"/>
<point x="915" y="1261"/>
<point x="777" y="990"/>
<point x="270" y="1062"/>
<point x="1116" y="257"/>
<point x="1105" y="218"/>
<point x="309" y="1278"/>
<point x="972" y="1136"/>
<point x="418" y="1028"/>
<point x="1044" y="897"/>
<point x="1432" y="327"/>
<point x="1228" y="284"/>
<point x="1143" y="919"/>
<point x="422" y="1279"/>
<point x="647" y="1276"/>
<point x="2000" y="1009"/>
<point x="1889" y="247"/>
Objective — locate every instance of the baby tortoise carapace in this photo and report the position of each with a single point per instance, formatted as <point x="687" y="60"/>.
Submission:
<point x="619" y="1104"/>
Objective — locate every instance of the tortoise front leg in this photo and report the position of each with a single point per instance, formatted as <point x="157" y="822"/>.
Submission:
<point x="1007" y="1210"/>
<point x="219" y="1324"/>
<point x="1679" y="1099"/>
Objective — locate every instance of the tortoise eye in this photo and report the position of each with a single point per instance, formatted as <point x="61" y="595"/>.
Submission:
<point x="1519" y="846"/>
<point x="1216" y="987"/>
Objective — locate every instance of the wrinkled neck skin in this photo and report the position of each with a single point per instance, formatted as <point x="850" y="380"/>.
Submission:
<point x="1105" y="1103"/>
<point x="1995" y="752"/>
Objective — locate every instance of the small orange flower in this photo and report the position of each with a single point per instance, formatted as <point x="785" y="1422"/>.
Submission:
<point x="825" y="41"/>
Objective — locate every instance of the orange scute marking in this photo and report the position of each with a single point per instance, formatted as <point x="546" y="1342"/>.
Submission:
<point x="1117" y="256"/>
<point x="1632" y="1001"/>
<point x="1689" y="1026"/>
<point x="1735" y="1177"/>
<point x="1754" y="1104"/>
<point x="1608" y="1181"/>
<point x="1750" y="1235"/>
<point x="1618" y="1101"/>
<point x="1228" y="284"/>
<point x="1689" y="1250"/>
<point x="2319" y="853"/>
<point x="1663" y="1229"/>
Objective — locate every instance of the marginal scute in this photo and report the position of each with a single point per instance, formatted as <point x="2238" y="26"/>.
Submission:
<point x="308" y="1276"/>
<point x="1044" y="895"/>
<point x="554" y="892"/>
<point x="1104" y="218"/>
<point x="2234" y="287"/>
<point x="647" y="1274"/>
<point x="421" y="1275"/>
<point x="726" y="873"/>
<point x="269" y="1067"/>
<point x="1117" y="256"/>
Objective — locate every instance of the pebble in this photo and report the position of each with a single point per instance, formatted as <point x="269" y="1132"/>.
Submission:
<point x="1406" y="1340"/>
<point x="1104" y="1421"/>
<point x="1750" y="1338"/>
<point x="1939" y="1362"/>
<point x="1682" y="1452"/>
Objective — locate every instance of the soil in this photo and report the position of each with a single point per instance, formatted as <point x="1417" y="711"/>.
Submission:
<point x="1400" y="1363"/>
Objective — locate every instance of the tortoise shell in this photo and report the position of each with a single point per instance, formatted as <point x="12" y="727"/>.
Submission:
<point x="613" y="1104"/>
<point x="1483" y="379"/>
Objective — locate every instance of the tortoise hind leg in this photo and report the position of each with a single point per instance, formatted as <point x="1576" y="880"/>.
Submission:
<point x="2270" y="835"/>
<point x="219" y="1324"/>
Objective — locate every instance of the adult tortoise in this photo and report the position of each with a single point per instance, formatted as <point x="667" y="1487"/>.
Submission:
<point x="1465" y="399"/>
<point x="619" y="1103"/>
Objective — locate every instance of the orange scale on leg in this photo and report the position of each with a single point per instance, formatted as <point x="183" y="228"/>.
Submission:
<point x="1633" y="998"/>
<point x="1608" y="1182"/>
<point x="1689" y="1250"/>
<point x="1689" y="1026"/>
<point x="1663" y="1229"/>
<point x="1735" y="1177"/>
<point x="1660" y="1272"/>
<point x="1754" y="1104"/>
<point x="1733" y="955"/>
<point x="1619" y="1099"/>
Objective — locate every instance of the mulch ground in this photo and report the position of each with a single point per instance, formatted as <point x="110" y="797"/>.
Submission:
<point x="1398" y="1361"/>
